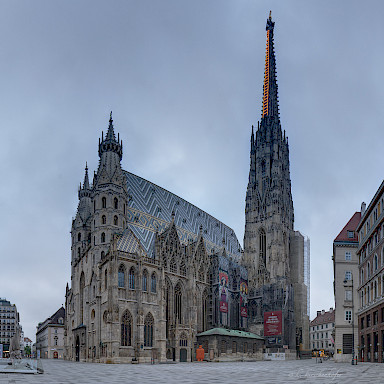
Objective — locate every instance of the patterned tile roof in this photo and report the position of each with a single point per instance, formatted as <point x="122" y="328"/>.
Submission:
<point x="150" y="208"/>
<point x="128" y="242"/>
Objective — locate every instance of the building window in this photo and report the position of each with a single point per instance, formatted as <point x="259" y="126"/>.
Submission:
<point x="178" y="303"/>
<point x="104" y="202"/>
<point x="348" y="275"/>
<point x="121" y="277"/>
<point x="223" y="348"/>
<point x="348" y="256"/>
<point x="183" y="340"/>
<point x="375" y="262"/>
<point x="351" y="234"/>
<point x="348" y="295"/>
<point x="106" y="279"/>
<point x="375" y="317"/>
<point x="348" y="316"/>
<point x="148" y="331"/>
<point x="132" y="278"/>
<point x="153" y="283"/>
<point x="126" y="329"/>
<point x="103" y="219"/>
<point x="262" y="247"/>
<point x="368" y="320"/>
<point x="234" y="347"/>
<point x="115" y="220"/>
<point x="116" y="203"/>
<point x="103" y="237"/>
<point x="145" y="280"/>
<point x="173" y="266"/>
<point x="347" y="343"/>
<point x="79" y="237"/>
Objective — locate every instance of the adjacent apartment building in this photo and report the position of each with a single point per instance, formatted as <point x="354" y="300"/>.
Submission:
<point x="9" y="322"/>
<point x="345" y="270"/>
<point x="50" y="336"/>
<point x="371" y="279"/>
<point x="321" y="330"/>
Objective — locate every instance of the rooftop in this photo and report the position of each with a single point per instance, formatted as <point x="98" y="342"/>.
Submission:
<point x="348" y="233"/>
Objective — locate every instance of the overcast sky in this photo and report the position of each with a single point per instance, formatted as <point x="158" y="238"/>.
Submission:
<point x="184" y="81"/>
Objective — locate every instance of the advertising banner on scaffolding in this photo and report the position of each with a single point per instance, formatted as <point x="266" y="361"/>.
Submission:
<point x="273" y="323"/>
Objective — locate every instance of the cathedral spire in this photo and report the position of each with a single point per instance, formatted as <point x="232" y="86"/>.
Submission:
<point x="109" y="143"/>
<point x="270" y="99"/>
<point x="86" y="178"/>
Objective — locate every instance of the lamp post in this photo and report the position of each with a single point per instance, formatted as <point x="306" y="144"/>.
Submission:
<point x="353" y="323"/>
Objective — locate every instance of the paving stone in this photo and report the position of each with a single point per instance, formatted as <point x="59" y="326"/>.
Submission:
<point x="271" y="372"/>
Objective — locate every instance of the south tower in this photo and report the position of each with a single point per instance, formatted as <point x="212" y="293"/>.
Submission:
<point x="273" y="251"/>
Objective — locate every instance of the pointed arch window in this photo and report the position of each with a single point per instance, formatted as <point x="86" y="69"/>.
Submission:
<point x="178" y="303"/>
<point x="153" y="283"/>
<point x="79" y="237"/>
<point x="82" y="286"/>
<point x="106" y="278"/>
<point x="148" y="330"/>
<point x="121" y="276"/>
<point x="103" y="237"/>
<point x="103" y="219"/>
<point x="104" y="202"/>
<point x="116" y="203"/>
<point x="126" y="329"/>
<point x="205" y="302"/>
<point x="173" y="266"/>
<point x="115" y="220"/>
<point x="201" y="274"/>
<point x="145" y="280"/>
<point x="132" y="278"/>
<point x="183" y="269"/>
<point x="262" y="247"/>
<point x="183" y="340"/>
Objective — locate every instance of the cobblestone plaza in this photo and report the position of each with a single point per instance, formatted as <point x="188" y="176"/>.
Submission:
<point x="58" y="371"/>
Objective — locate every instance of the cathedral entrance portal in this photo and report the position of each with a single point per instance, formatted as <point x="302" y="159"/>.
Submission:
<point x="183" y="355"/>
<point x="77" y="348"/>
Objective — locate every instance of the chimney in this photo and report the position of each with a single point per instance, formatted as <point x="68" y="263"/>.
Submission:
<point x="363" y="206"/>
<point x="322" y="311"/>
<point x="318" y="313"/>
<point x="331" y="309"/>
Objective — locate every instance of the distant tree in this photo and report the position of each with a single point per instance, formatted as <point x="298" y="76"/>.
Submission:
<point x="27" y="350"/>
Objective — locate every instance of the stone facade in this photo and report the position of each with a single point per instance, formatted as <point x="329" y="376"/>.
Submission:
<point x="370" y="285"/>
<point x="134" y="299"/>
<point x="273" y="251"/>
<point x="150" y="271"/>
<point x="321" y="331"/>
<point x="50" y="336"/>
<point x="345" y="268"/>
<point x="9" y="323"/>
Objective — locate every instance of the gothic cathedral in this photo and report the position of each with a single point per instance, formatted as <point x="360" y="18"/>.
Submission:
<point x="153" y="276"/>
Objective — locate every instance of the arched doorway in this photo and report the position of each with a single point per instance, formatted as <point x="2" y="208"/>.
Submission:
<point x="77" y="349"/>
<point x="183" y="355"/>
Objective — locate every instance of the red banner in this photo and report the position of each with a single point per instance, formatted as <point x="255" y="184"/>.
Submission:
<point x="223" y="306"/>
<point x="243" y="312"/>
<point x="273" y="323"/>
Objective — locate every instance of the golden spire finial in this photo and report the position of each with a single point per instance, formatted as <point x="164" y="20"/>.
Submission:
<point x="270" y="15"/>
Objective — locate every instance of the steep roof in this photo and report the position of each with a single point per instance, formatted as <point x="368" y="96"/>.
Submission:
<point x="324" y="318"/>
<point x="230" y="332"/>
<point x="150" y="209"/>
<point x="350" y="227"/>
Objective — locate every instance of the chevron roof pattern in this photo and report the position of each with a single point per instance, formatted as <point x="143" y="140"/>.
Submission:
<point x="150" y="208"/>
<point x="128" y="242"/>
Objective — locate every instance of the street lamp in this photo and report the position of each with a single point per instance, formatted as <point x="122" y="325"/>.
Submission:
<point x="353" y="322"/>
